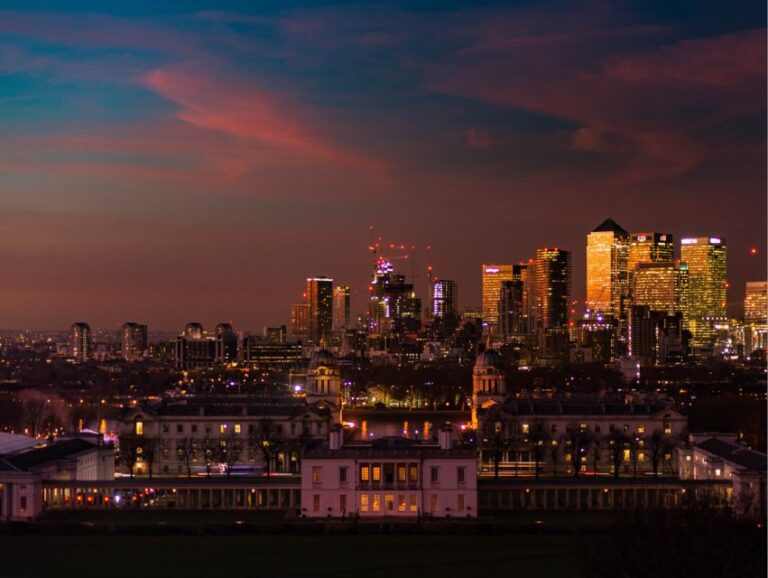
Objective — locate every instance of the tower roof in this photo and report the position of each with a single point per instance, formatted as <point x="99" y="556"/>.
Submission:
<point x="610" y="226"/>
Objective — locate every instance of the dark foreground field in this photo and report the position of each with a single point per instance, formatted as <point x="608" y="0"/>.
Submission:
<point x="259" y="556"/>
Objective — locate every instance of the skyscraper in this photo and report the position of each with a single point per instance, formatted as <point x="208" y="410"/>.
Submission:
<point x="607" y="279"/>
<point x="707" y="261"/>
<point x="493" y="276"/>
<point x="320" y="312"/>
<point x="756" y="316"/>
<point x="299" y="321"/>
<point x="512" y="321"/>
<point x="553" y="287"/>
<point x="134" y="341"/>
<point x="660" y="285"/>
<point x="342" y="313"/>
<point x="649" y="248"/>
<point x="444" y="298"/>
<point x="526" y="274"/>
<point x="80" y="342"/>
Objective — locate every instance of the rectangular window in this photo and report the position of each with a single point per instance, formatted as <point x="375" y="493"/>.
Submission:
<point x="139" y="428"/>
<point x="365" y="473"/>
<point x="554" y="428"/>
<point x="667" y="428"/>
<point x="401" y="503"/>
<point x="461" y="474"/>
<point x="363" y="502"/>
<point x="582" y="427"/>
<point x="597" y="429"/>
<point x="316" y="503"/>
<point x="401" y="473"/>
<point x="434" y="503"/>
<point x="460" y="502"/>
<point x="342" y="475"/>
<point x="343" y="503"/>
<point x="414" y="504"/>
<point x="23" y="503"/>
<point x="376" y="503"/>
<point x="526" y="428"/>
<point x="413" y="473"/>
<point x="316" y="474"/>
<point x="434" y="474"/>
<point x="223" y="428"/>
<point x="166" y="428"/>
<point x="194" y="428"/>
<point x="626" y="428"/>
<point x="237" y="428"/>
<point x="179" y="428"/>
<point x="641" y="429"/>
<point x="376" y="473"/>
<point x="389" y="503"/>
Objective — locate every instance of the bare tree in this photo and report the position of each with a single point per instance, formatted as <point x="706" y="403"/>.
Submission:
<point x="658" y="445"/>
<point x="494" y="442"/>
<point x="554" y="454"/>
<point x="597" y="452"/>
<point x="230" y="449"/>
<point x="538" y="439"/>
<point x="130" y="451"/>
<point x="616" y="441"/>
<point x="185" y="452"/>
<point x="149" y="448"/>
<point x="267" y="440"/>
<point x="578" y="441"/>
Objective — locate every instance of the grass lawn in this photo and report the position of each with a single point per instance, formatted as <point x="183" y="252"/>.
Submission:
<point x="275" y="556"/>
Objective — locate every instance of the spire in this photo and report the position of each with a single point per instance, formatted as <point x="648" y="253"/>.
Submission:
<point x="610" y="226"/>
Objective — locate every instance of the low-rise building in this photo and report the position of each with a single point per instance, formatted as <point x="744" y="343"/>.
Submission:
<point x="389" y="476"/>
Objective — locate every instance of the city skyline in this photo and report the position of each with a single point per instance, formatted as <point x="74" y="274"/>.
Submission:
<point x="162" y="155"/>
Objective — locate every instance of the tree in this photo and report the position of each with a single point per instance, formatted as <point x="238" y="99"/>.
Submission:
<point x="149" y="448"/>
<point x="578" y="441"/>
<point x="494" y="442"/>
<point x="267" y="440"/>
<point x="616" y="441"/>
<point x="658" y="445"/>
<point x="208" y="447"/>
<point x="185" y="451"/>
<point x="554" y="454"/>
<point x="230" y="449"/>
<point x="129" y="451"/>
<point x="538" y="439"/>
<point x="597" y="452"/>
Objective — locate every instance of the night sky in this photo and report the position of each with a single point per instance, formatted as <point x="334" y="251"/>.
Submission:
<point x="167" y="162"/>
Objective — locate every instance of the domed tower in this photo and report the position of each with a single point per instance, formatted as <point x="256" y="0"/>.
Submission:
<point x="324" y="381"/>
<point x="489" y="382"/>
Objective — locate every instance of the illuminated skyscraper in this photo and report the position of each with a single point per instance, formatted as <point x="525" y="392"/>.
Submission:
<point x="649" y="248"/>
<point x="756" y="316"/>
<point x="493" y="276"/>
<point x="661" y="285"/>
<point x="320" y="312"/>
<point x="134" y="341"/>
<point x="512" y="320"/>
<point x="553" y="287"/>
<point x="444" y="298"/>
<point x="756" y="303"/>
<point x="80" y="341"/>
<point x="607" y="278"/>
<point x="707" y="261"/>
<point x="526" y="274"/>
<point x="299" y="321"/>
<point x="342" y="313"/>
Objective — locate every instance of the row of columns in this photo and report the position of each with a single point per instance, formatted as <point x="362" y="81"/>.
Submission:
<point x="579" y="498"/>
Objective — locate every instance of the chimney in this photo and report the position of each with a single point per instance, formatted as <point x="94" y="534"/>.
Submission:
<point x="444" y="437"/>
<point x="336" y="438"/>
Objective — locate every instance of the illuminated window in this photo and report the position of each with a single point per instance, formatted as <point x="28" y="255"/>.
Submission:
<point x="365" y="473"/>
<point x="316" y="474"/>
<point x="667" y="428"/>
<point x="316" y="503"/>
<point x="223" y="428"/>
<point x="460" y="502"/>
<point x="582" y="427"/>
<point x="139" y="428"/>
<point x="718" y="471"/>
<point x="687" y="458"/>
<point x="641" y="429"/>
<point x="363" y="502"/>
<point x="343" y="502"/>
<point x="401" y="503"/>
<point x="237" y="428"/>
<point x="401" y="473"/>
<point x="434" y="503"/>
<point x="626" y="455"/>
<point x="414" y="504"/>
<point x="526" y="428"/>
<point x="641" y="456"/>
<point x="376" y="503"/>
<point x="413" y="473"/>
<point x="376" y="473"/>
